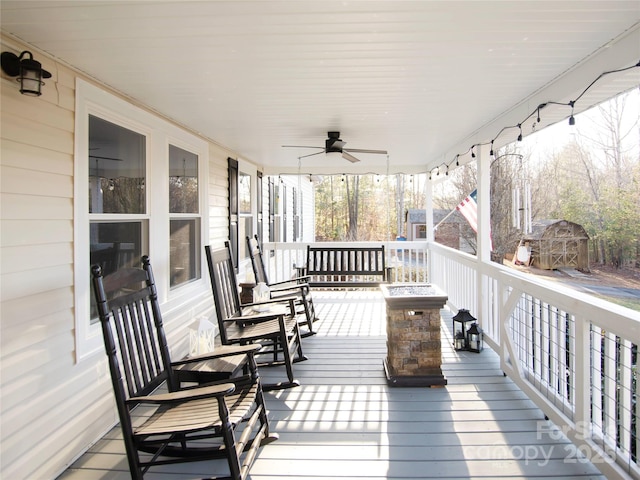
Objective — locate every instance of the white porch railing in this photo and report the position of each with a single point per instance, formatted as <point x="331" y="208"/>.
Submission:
<point x="408" y="260"/>
<point x="573" y="354"/>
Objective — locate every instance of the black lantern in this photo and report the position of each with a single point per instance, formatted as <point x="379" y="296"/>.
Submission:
<point x="462" y="318"/>
<point x="475" y="340"/>
<point x="29" y="72"/>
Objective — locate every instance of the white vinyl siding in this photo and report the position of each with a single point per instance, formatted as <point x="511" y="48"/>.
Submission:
<point x="49" y="404"/>
<point x="53" y="407"/>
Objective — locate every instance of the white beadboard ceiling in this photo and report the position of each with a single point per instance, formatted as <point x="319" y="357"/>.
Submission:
<point x="423" y="80"/>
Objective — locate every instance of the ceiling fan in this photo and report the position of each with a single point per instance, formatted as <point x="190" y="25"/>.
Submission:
<point x="334" y="144"/>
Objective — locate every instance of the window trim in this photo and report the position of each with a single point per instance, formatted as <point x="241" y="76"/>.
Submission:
<point x="159" y="133"/>
<point x="200" y="214"/>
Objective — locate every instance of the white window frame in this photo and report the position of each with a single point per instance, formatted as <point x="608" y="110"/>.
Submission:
<point x="190" y="147"/>
<point x="159" y="133"/>
<point x="246" y="168"/>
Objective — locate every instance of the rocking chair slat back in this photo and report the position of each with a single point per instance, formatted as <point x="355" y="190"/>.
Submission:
<point x="138" y="355"/>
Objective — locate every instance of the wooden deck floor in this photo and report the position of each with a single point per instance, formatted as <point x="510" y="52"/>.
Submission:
<point x="344" y="422"/>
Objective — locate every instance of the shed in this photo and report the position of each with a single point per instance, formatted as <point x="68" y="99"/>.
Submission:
<point x="558" y="243"/>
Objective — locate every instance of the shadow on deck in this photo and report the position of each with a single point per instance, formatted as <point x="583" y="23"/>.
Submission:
<point x="344" y="422"/>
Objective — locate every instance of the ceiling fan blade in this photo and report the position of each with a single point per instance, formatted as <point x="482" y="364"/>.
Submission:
<point x="300" y="146"/>
<point x="360" y="150"/>
<point x="350" y="157"/>
<point x="312" y="154"/>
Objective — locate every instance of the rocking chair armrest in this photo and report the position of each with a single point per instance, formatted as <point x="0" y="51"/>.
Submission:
<point x="267" y="315"/>
<point x="288" y="288"/>
<point x="220" y="352"/>
<point x="199" y="393"/>
<point x="256" y="318"/>
<point x="282" y="299"/>
<point x="294" y="282"/>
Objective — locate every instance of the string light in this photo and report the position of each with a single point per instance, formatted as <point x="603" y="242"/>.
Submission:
<point x="536" y="111"/>
<point x="572" y="120"/>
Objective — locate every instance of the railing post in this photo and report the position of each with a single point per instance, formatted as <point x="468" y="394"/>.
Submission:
<point x="581" y="373"/>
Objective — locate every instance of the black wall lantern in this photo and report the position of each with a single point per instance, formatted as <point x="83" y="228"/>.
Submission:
<point x="460" y="334"/>
<point x="475" y="338"/>
<point x="29" y="72"/>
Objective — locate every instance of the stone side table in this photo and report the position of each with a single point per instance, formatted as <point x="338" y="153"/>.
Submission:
<point x="414" y="355"/>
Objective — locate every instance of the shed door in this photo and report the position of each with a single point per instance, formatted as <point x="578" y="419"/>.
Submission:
<point x="564" y="253"/>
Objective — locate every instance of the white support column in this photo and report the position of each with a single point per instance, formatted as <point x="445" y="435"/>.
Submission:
<point x="484" y="204"/>
<point x="428" y="205"/>
<point x="483" y="236"/>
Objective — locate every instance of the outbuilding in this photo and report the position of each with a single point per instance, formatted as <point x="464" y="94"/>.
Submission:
<point x="558" y="243"/>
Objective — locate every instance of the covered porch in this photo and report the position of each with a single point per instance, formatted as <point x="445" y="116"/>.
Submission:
<point x="435" y="84"/>
<point x="344" y="422"/>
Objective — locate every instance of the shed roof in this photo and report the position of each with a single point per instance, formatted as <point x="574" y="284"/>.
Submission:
<point x="555" y="228"/>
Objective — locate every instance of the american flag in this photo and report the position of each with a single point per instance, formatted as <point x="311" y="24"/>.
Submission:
<point x="469" y="209"/>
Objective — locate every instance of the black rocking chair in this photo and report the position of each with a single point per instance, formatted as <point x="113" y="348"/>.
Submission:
<point x="272" y="324"/>
<point x="223" y="419"/>
<point x="297" y="287"/>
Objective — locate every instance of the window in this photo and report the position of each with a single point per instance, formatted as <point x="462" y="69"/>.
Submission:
<point x="296" y="217"/>
<point x="184" y="249"/>
<point x="232" y="172"/>
<point x="284" y="213"/>
<point x="116" y="168"/>
<point x="243" y="189"/>
<point x="245" y="210"/>
<point x="272" y="210"/>
<point x="259" y="207"/>
<point x="138" y="190"/>
<point x="116" y="197"/>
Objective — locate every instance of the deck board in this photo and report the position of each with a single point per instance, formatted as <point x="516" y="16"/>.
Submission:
<point x="344" y="422"/>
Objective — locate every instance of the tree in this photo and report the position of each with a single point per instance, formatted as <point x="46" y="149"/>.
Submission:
<point x="360" y="207"/>
<point x="594" y="179"/>
<point x="400" y="193"/>
<point x="353" y="199"/>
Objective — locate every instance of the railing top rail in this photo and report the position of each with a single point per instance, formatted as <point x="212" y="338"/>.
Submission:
<point x="614" y="318"/>
<point x="414" y="244"/>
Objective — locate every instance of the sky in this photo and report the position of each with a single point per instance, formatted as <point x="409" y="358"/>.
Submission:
<point x="552" y="139"/>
